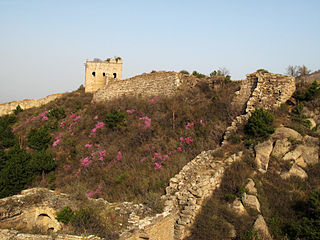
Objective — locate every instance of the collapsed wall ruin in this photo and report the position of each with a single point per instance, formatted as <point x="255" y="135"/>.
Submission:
<point x="7" y="108"/>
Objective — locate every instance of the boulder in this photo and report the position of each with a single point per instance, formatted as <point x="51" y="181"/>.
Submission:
<point x="293" y="155"/>
<point x="283" y="132"/>
<point x="263" y="151"/>
<point x="250" y="187"/>
<point x="281" y="147"/>
<point x="310" y="153"/>
<point x="295" y="170"/>
<point x="261" y="228"/>
<point x="232" y="232"/>
<point x="301" y="162"/>
<point x="251" y="201"/>
<point x="238" y="207"/>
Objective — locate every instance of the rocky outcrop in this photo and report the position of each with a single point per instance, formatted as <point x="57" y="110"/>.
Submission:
<point x="261" y="228"/>
<point x="251" y="201"/>
<point x="238" y="207"/>
<point x="296" y="171"/>
<point x="263" y="151"/>
<point x="250" y="187"/>
<point x="7" y="108"/>
<point x="36" y="208"/>
<point x="281" y="147"/>
<point x="304" y="151"/>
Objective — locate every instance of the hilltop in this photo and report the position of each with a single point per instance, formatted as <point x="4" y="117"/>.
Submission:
<point x="163" y="151"/>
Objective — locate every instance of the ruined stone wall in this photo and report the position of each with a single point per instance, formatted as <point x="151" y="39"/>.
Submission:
<point x="272" y="90"/>
<point x="98" y="73"/>
<point x="6" y="234"/>
<point x="192" y="185"/>
<point x="244" y="93"/>
<point x="153" y="84"/>
<point x="268" y="91"/>
<point x="7" y="108"/>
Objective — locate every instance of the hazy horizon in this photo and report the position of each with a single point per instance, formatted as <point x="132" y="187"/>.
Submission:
<point x="44" y="44"/>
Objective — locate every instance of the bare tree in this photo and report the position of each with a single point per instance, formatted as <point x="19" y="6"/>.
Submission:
<point x="303" y="71"/>
<point x="293" y="71"/>
<point x="220" y="72"/>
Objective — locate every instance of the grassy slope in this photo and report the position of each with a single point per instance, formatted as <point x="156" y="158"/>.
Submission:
<point x="139" y="159"/>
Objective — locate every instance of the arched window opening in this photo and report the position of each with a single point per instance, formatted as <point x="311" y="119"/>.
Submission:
<point x="104" y="74"/>
<point x="94" y="74"/>
<point x="114" y="75"/>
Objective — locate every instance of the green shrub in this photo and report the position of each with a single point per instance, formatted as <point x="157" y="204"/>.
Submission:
<point x="15" y="173"/>
<point x="17" y="110"/>
<point x="309" y="94"/>
<point x="235" y="139"/>
<point x="240" y="191"/>
<point x="51" y="126"/>
<point x="308" y="224"/>
<point x="198" y="75"/>
<point x="51" y="177"/>
<point x="58" y="113"/>
<point x="121" y="178"/>
<point x="39" y="139"/>
<point x="261" y="70"/>
<point x="229" y="197"/>
<point x="259" y="124"/>
<point x="7" y="137"/>
<point x="42" y="162"/>
<point x="65" y="216"/>
<point x="116" y="120"/>
<point x="298" y="109"/>
<point x="184" y="72"/>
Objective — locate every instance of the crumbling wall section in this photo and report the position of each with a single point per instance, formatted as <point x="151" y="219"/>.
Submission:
<point x="153" y="84"/>
<point x="268" y="91"/>
<point x="192" y="185"/>
<point x="7" y="108"/>
<point x="146" y="85"/>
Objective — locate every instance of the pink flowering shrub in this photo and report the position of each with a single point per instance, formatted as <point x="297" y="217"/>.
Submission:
<point x="189" y="124"/>
<point x="146" y="122"/>
<point x="55" y="143"/>
<point x="157" y="165"/>
<point x="92" y="193"/>
<point x="98" y="125"/>
<point x="130" y="111"/>
<point x="66" y="167"/>
<point x="85" y="162"/>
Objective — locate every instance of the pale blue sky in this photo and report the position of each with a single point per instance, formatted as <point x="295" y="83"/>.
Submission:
<point x="44" y="43"/>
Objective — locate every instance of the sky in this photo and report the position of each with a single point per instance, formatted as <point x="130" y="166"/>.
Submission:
<point x="45" y="43"/>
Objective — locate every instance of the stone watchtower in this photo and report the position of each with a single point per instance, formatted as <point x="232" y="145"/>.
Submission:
<point x="99" y="72"/>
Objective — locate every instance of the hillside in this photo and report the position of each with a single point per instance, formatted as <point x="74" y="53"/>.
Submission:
<point x="150" y="150"/>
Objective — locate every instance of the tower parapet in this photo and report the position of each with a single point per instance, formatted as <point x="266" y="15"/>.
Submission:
<point x="99" y="72"/>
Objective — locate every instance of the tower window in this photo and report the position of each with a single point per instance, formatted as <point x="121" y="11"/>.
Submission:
<point x="94" y="74"/>
<point x="104" y="74"/>
<point x="114" y="75"/>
